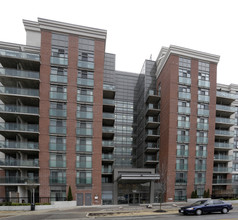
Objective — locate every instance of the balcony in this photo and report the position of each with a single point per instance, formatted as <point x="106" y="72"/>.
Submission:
<point x="87" y="181"/>
<point x="151" y="135"/>
<point x="108" y="105"/>
<point x="222" y="169"/>
<point x="199" y="167"/>
<point x="84" y="131"/>
<point x="152" y="109"/>
<point x="225" y="146"/>
<point x="184" y="110"/>
<point x="152" y="122"/>
<point x="107" y="132"/>
<point x="57" y="146"/>
<point x="108" y="91"/>
<point x="107" y="158"/>
<point x="151" y="160"/>
<point x="58" y="95"/>
<point x="107" y="146"/>
<point x="84" y="165"/>
<point x="18" y="181"/>
<point x="84" y="98"/>
<point x="182" y="153"/>
<point x="57" y="129"/>
<point x="221" y="182"/>
<point x="184" y="124"/>
<point x="57" y="181"/>
<point x="203" y="112"/>
<point x="225" y="97"/>
<point x="152" y="97"/>
<point x="19" y="55"/>
<point x="57" y="163"/>
<point x="19" y="73"/>
<point x="59" y="61"/>
<point x="108" y="118"/>
<point x="151" y="148"/>
<point x="84" y="148"/>
<point x="85" y="82"/>
<point x="19" y="91"/>
<point x="58" y="113"/>
<point x="201" y="153"/>
<point x="222" y="158"/>
<point x="225" y="110"/>
<point x="107" y="170"/>
<point x="200" y="181"/>
<point x="202" y="126"/>
<point x="9" y="146"/>
<point x="203" y="84"/>
<point x="85" y="64"/>
<point x="15" y="163"/>
<point x="84" y="115"/>
<point x="184" y="80"/>
<point x="225" y="122"/>
<point x="181" y="167"/>
<point x="184" y="95"/>
<point x="203" y="98"/>
<point x="183" y="138"/>
<point x="224" y="133"/>
<point x="58" y="79"/>
<point x="202" y="140"/>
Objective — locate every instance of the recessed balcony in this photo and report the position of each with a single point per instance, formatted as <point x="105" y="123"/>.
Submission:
<point x="224" y="134"/>
<point x="203" y="126"/>
<point x="59" y="61"/>
<point x="18" y="181"/>
<point x="224" y="146"/>
<point x="203" y="112"/>
<point x="181" y="167"/>
<point x="184" y="95"/>
<point x="84" y="115"/>
<point x="225" y="110"/>
<point x="200" y="181"/>
<point x="108" y="91"/>
<point x="222" y="158"/>
<point x="184" y="110"/>
<point x="107" y="132"/>
<point x="204" y="98"/>
<point x="16" y="164"/>
<point x="204" y="84"/>
<point x="184" y="80"/>
<point x="6" y="72"/>
<point x="184" y="124"/>
<point x="57" y="129"/>
<point x="84" y="164"/>
<point x="84" y="131"/>
<point x="11" y="146"/>
<point x="58" y="79"/>
<point x="58" y="95"/>
<point x="225" y="122"/>
<point x="202" y="140"/>
<point x="108" y="118"/>
<point x="108" y="105"/>
<point x="199" y="167"/>
<point x="57" y="181"/>
<point x="107" y="145"/>
<point x="225" y="97"/>
<point x="57" y="163"/>
<point x="58" y="113"/>
<point x="183" y="138"/>
<point x="85" y="64"/>
<point x="222" y="169"/>
<point x="221" y="182"/>
<point x="85" y="82"/>
<point x="107" y="158"/>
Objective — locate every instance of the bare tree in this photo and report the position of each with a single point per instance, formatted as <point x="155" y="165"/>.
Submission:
<point x="162" y="185"/>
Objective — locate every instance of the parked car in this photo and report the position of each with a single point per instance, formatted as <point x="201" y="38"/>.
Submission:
<point x="206" y="206"/>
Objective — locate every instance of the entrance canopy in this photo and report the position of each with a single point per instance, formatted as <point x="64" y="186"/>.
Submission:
<point x="138" y="177"/>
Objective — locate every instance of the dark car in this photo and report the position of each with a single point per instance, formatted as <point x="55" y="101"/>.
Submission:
<point x="206" y="206"/>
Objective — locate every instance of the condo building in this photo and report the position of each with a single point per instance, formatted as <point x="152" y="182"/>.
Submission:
<point x="69" y="119"/>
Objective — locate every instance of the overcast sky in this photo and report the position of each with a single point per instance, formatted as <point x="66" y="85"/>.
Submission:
<point x="137" y="29"/>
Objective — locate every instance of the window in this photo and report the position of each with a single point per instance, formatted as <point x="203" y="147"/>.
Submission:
<point x="203" y="91"/>
<point x="84" y="177"/>
<point x="58" y="88"/>
<point x="184" y="89"/>
<point x="183" y="103"/>
<point x="203" y="106"/>
<point x="84" y="161"/>
<point x="84" y="144"/>
<point x="85" y="74"/>
<point x="58" y="71"/>
<point x="202" y="120"/>
<point x="183" y="118"/>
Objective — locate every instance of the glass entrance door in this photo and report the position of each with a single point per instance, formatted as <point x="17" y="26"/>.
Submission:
<point x="134" y="198"/>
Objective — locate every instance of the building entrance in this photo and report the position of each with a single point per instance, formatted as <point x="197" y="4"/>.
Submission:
<point x="134" y="198"/>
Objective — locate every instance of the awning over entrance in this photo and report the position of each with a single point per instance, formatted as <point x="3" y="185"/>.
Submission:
<point x="139" y="177"/>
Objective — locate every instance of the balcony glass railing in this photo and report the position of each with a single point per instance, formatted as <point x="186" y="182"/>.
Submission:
<point x="224" y="132"/>
<point x="107" y="143"/>
<point x="57" y="129"/>
<point x="222" y="157"/>
<point x="108" y="102"/>
<point x="203" y="112"/>
<point x="57" y="147"/>
<point x="184" y="80"/>
<point x="107" y="156"/>
<point x="85" y="64"/>
<point x="57" y="163"/>
<point x="84" y="115"/>
<point x="202" y="140"/>
<point x="85" y="82"/>
<point x="19" y="91"/>
<point x="58" y="78"/>
<point x="106" y="170"/>
<point x="152" y="145"/>
<point x="19" y="163"/>
<point x="19" y="109"/>
<point x="203" y="98"/>
<point x="225" y="120"/>
<point x="84" y="148"/>
<point x="223" y="145"/>
<point x="182" y="153"/>
<point x="183" y="138"/>
<point x="150" y="158"/>
<point x="200" y="167"/>
<point x="184" y="95"/>
<point x="222" y="169"/>
<point x="84" y="131"/>
<point x="59" y="61"/>
<point x="84" y="98"/>
<point x="200" y="181"/>
<point x="58" y="180"/>
<point x="184" y="110"/>
<point x="225" y="108"/>
<point x="183" y="124"/>
<point x="201" y="153"/>
<point x="18" y="180"/>
<point x="180" y="166"/>
<point x="19" y="55"/>
<point x="87" y="164"/>
<point x="58" y="113"/>
<point x="84" y="181"/>
<point x="203" y="83"/>
<point x="222" y="181"/>
<point x="18" y="127"/>
<point x="107" y="129"/>
<point x="19" y="73"/>
<point x="226" y="95"/>
<point x="108" y="115"/>
<point x="182" y="181"/>
<point x="58" y="95"/>
<point x="152" y="132"/>
<point x="202" y="126"/>
<point x="19" y="145"/>
<point x="108" y="87"/>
